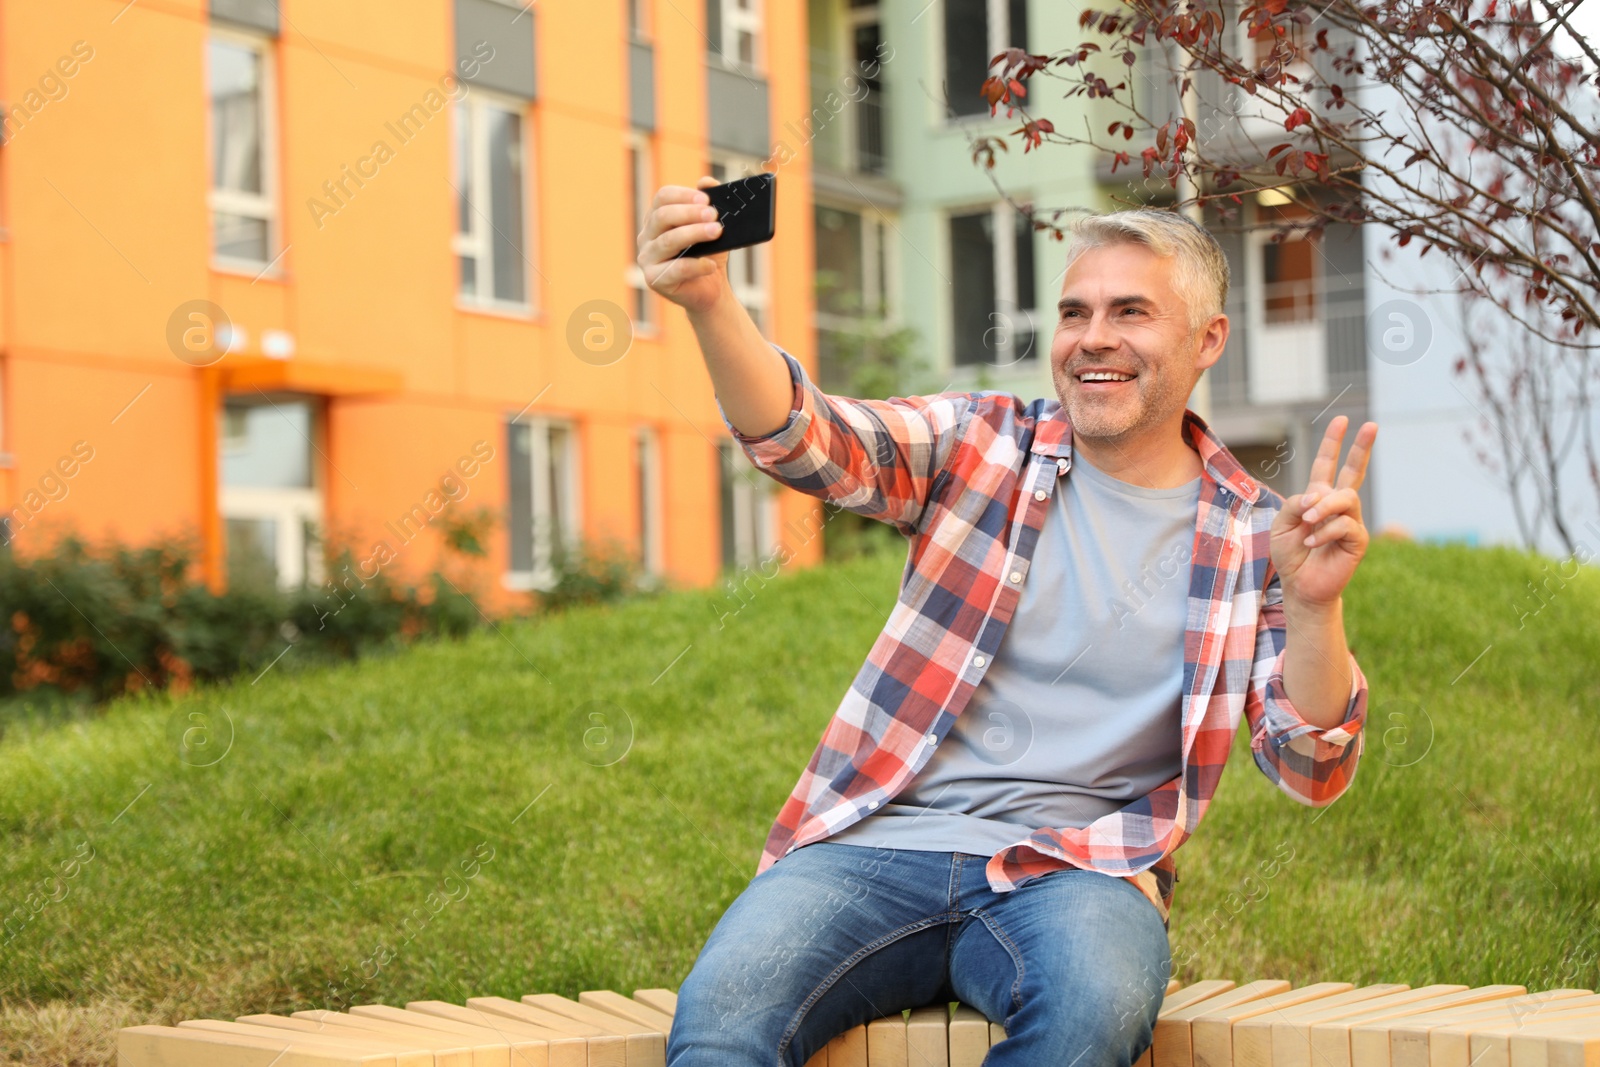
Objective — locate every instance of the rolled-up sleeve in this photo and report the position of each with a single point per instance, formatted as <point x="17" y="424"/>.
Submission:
<point x="877" y="458"/>
<point x="1312" y="764"/>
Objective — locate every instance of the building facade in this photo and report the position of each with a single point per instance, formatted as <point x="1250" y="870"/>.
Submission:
<point x="283" y="274"/>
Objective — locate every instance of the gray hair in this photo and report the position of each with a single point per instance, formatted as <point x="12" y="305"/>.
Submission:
<point x="1199" y="271"/>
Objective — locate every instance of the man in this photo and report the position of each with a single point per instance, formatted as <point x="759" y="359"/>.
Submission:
<point x="1096" y="591"/>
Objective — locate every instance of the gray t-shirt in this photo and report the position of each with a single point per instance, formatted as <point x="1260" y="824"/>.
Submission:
<point x="1079" y="714"/>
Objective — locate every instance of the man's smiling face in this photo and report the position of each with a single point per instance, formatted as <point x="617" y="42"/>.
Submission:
<point x="1125" y="355"/>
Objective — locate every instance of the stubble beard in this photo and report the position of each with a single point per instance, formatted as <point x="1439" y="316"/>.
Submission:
<point x="1155" y="399"/>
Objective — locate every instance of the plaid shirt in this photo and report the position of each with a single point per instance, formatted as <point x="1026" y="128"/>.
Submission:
<point x="967" y="477"/>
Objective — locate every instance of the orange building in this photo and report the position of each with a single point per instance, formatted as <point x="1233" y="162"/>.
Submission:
<point x="281" y="270"/>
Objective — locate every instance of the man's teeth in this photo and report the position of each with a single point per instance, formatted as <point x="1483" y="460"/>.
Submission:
<point x="1104" y="376"/>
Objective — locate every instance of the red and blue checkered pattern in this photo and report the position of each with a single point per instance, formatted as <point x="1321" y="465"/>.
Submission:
<point x="967" y="477"/>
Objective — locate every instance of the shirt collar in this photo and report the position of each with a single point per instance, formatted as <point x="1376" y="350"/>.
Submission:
<point x="1052" y="436"/>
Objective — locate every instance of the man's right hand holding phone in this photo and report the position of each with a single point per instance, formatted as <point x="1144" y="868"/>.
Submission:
<point x="750" y="379"/>
<point x="681" y="217"/>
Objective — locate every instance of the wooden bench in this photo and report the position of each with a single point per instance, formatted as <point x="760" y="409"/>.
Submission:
<point x="1214" y="1023"/>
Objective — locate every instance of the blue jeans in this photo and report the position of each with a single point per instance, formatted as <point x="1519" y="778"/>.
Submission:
<point x="1074" y="964"/>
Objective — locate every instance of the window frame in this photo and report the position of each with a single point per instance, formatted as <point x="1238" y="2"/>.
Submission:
<point x="263" y="205"/>
<point x="298" y="559"/>
<point x="480" y="243"/>
<point x="639" y="151"/>
<point x="639" y="29"/>
<point x="997" y="16"/>
<point x="1005" y="222"/>
<point x="754" y="499"/>
<point x="542" y="576"/>
<point x="652" y="515"/>
<point x="732" y="20"/>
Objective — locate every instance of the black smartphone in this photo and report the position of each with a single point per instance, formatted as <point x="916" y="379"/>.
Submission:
<point x="748" y="211"/>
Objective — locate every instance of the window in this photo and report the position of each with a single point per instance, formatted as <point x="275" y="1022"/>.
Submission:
<point x="638" y="14"/>
<point x="243" y="214"/>
<point x="1288" y="269"/>
<point x="991" y="270"/>
<point x="543" y="499"/>
<point x="647" y="463"/>
<point x="733" y="30"/>
<point x="852" y="264"/>
<point x="641" y="189"/>
<point x="748" y="509"/>
<point x="490" y="231"/>
<point x="747" y="267"/>
<point x="975" y="31"/>
<point x="1286" y="336"/>
<point x="269" y="498"/>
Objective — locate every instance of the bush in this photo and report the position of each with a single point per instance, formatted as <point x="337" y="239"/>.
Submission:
<point x="591" y="574"/>
<point x="96" y="622"/>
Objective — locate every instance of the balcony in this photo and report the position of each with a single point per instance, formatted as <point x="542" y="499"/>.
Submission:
<point x="1293" y="347"/>
<point x="848" y="124"/>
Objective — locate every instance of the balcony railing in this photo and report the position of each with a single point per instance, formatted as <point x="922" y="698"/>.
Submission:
<point x="853" y="137"/>
<point x="1340" y="332"/>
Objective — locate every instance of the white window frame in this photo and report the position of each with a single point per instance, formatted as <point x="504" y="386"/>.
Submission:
<point x="755" y="510"/>
<point x="754" y="296"/>
<point x="652" y="516"/>
<point x="478" y="243"/>
<point x="1285" y="362"/>
<point x="998" y="15"/>
<point x="1003" y="223"/>
<point x="541" y="493"/>
<point x="735" y="20"/>
<point x="263" y="205"/>
<point x="640" y="159"/>
<point x="642" y="31"/>
<point x="876" y="287"/>
<point x="291" y="507"/>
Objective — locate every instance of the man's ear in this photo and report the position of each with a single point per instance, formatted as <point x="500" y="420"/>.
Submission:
<point x="1213" y="339"/>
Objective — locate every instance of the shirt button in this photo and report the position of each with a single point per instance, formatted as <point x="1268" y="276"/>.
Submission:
<point x="932" y="739"/>
<point x="873" y="806"/>
<point x="978" y="661"/>
<point x="1039" y="494"/>
<point x="1016" y="576"/>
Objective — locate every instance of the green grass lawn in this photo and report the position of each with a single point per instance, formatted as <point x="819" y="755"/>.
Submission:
<point x="333" y="840"/>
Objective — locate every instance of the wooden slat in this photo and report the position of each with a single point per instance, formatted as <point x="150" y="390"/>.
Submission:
<point x="173" y="1046"/>
<point x="482" y="1055"/>
<point x="1291" y="1034"/>
<point x="969" y="1037"/>
<point x="928" y="1036"/>
<point x="1534" y="1049"/>
<point x="524" y="1051"/>
<point x="886" y="1043"/>
<point x="607" y="1047"/>
<point x="617" y="1004"/>
<point x="997" y="1034"/>
<point x="1575" y="1050"/>
<point x="647" y="1045"/>
<point x="1180" y="998"/>
<point x="1191" y="994"/>
<point x="406" y="1053"/>
<point x="565" y="1050"/>
<point x="1252" y="1038"/>
<point x="1173" y="985"/>
<point x="663" y="1000"/>
<point x="1212" y="1030"/>
<point x="1408" y="1039"/>
<point x="819" y="1059"/>
<point x="1330" y="1040"/>
<point x="849" y="1049"/>
<point x="445" y="1052"/>
<point x="1492" y="1047"/>
<point x="1173" y="1044"/>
